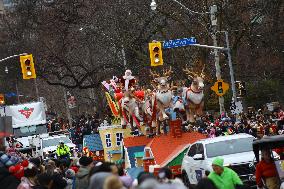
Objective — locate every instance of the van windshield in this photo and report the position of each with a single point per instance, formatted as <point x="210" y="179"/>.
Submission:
<point x="229" y="147"/>
<point x="29" y="130"/>
<point x="55" y="141"/>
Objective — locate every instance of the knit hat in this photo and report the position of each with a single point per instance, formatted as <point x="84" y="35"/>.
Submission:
<point x="70" y="173"/>
<point x="85" y="161"/>
<point x="218" y="161"/>
<point x="36" y="162"/>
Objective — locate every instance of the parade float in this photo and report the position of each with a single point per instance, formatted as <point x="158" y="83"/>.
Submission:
<point x="147" y="119"/>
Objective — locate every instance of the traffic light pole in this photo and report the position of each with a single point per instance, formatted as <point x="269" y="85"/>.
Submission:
<point x="213" y="18"/>
<point x="23" y="54"/>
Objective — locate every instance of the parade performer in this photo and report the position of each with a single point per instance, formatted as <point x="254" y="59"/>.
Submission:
<point x="128" y="81"/>
<point x="63" y="151"/>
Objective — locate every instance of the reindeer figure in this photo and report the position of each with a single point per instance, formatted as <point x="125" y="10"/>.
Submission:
<point x="194" y="94"/>
<point x="129" y="110"/>
<point x="163" y="96"/>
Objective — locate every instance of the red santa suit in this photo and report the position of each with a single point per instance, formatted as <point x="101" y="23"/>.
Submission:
<point x="127" y="80"/>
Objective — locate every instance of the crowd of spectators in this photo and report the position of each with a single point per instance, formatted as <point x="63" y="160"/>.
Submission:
<point x="256" y="123"/>
<point x="79" y="173"/>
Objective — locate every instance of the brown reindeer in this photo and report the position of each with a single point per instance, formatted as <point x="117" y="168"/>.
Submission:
<point x="194" y="94"/>
<point x="162" y="96"/>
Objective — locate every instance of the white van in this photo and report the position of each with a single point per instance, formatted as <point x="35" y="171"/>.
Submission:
<point x="49" y="145"/>
<point x="235" y="149"/>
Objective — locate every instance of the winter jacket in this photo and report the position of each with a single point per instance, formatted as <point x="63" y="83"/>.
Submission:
<point x="82" y="178"/>
<point x="8" y="180"/>
<point x="70" y="183"/>
<point x="25" y="184"/>
<point x="58" y="181"/>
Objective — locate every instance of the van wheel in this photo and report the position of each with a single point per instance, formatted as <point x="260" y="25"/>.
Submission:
<point x="185" y="180"/>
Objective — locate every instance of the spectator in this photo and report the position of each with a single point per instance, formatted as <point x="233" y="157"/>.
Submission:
<point x="223" y="177"/>
<point x="7" y="179"/>
<point x="165" y="175"/>
<point x="112" y="182"/>
<point x="82" y="177"/>
<point x="97" y="180"/>
<point x="266" y="170"/>
<point x="58" y="181"/>
<point x="29" y="179"/>
<point x="205" y="183"/>
<point x="44" y="181"/>
<point x="103" y="167"/>
<point x="70" y="178"/>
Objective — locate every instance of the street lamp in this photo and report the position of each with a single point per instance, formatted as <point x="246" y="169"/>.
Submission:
<point x="6" y="70"/>
<point x="153" y="5"/>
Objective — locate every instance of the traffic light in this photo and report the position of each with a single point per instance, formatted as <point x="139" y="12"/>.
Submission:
<point x="28" y="67"/>
<point x="241" y="86"/>
<point x="2" y="99"/>
<point x="156" y="55"/>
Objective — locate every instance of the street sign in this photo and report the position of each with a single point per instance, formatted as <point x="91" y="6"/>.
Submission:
<point x="179" y="42"/>
<point x="241" y="86"/>
<point x="220" y="87"/>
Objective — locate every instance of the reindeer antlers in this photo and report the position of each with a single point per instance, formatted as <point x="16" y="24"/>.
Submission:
<point x="189" y="73"/>
<point x="202" y="72"/>
<point x="154" y="74"/>
<point x="193" y="74"/>
<point x="167" y="72"/>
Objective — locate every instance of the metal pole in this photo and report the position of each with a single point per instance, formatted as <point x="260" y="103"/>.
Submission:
<point x="231" y="67"/>
<point x="17" y="90"/>
<point x="213" y="11"/>
<point x="36" y="88"/>
<point x="12" y="56"/>
<point x="67" y="108"/>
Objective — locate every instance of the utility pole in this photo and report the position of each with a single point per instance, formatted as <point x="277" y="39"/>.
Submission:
<point x="231" y="67"/>
<point x="213" y="18"/>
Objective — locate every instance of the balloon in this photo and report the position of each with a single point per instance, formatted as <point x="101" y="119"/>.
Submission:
<point x="25" y="163"/>
<point x="12" y="169"/>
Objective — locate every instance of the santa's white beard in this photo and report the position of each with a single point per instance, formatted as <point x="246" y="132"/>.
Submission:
<point x="127" y="79"/>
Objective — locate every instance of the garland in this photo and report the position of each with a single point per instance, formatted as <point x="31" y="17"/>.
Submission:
<point x="113" y="105"/>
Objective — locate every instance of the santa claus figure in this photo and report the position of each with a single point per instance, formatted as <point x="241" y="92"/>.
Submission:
<point x="127" y="81"/>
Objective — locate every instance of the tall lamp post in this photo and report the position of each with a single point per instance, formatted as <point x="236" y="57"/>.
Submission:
<point x="213" y="18"/>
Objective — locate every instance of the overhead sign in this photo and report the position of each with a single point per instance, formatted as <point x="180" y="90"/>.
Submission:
<point x="179" y="42"/>
<point x="220" y="87"/>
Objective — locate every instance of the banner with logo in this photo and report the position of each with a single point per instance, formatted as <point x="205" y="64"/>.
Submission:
<point x="26" y="114"/>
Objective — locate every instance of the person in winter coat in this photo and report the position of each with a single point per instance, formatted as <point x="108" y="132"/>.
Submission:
<point x="44" y="181"/>
<point x="8" y="180"/>
<point x="58" y="181"/>
<point x="224" y="177"/>
<point x="70" y="178"/>
<point x="29" y="180"/>
<point x="82" y="177"/>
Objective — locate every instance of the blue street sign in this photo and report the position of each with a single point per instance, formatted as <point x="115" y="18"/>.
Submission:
<point x="179" y="42"/>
